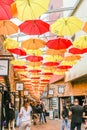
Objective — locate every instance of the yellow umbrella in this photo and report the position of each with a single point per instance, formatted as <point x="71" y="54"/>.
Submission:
<point x="66" y="26"/>
<point x="34" y="52"/>
<point x="53" y="58"/>
<point x="18" y="62"/>
<point x="81" y="42"/>
<point x="60" y="72"/>
<point x="34" y="63"/>
<point x="68" y="63"/>
<point x="10" y="44"/>
<point x="31" y="9"/>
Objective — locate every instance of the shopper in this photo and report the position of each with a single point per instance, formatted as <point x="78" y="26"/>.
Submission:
<point x="76" y="113"/>
<point x="25" y="116"/>
<point x="65" y="115"/>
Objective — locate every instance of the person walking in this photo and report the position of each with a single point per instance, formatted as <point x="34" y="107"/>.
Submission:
<point x="65" y="115"/>
<point x="76" y="112"/>
<point x="25" y="115"/>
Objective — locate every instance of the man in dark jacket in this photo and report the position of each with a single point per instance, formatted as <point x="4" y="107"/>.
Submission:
<point x="65" y="115"/>
<point x="76" y="113"/>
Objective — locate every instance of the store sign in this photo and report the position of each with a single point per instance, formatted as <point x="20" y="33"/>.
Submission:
<point x="26" y="93"/>
<point x="61" y="89"/>
<point x="4" y="67"/>
<point x="50" y="92"/>
<point x="19" y="86"/>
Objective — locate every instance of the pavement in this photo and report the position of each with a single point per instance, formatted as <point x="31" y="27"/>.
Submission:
<point x="54" y="124"/>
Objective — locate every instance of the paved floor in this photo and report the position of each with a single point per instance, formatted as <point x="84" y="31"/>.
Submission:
<point x="50" y="125"/>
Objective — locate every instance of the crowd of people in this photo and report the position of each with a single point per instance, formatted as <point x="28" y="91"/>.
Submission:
<point x="77" y="115"/>
<point x="35" y="112"/>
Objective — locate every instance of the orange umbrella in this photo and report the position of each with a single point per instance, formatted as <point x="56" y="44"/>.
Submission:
<point x="85" y="27"/>
<point x="7" y="27"/>
<point x="33" y="44"/>
<point x="72" y="57"/>
<point x="35" y="64"/>
<point x="55" y="52"/>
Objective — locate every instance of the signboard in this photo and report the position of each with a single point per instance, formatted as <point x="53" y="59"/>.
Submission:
<point x="61" y="89"/>
<point x="26" y="93"/>
<point x="50" y="92"/>
<point x="4" y="67"/>
<point x="19" y="86"/>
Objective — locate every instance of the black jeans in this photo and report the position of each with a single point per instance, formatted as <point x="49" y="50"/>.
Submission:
<point x="75" y="125"/>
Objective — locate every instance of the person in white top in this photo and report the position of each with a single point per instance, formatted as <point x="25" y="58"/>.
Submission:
<point x="25" y="117"/>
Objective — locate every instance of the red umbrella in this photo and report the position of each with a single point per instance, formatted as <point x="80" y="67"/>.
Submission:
<point x="77" y="50"/>
<point x="19" y="67"/>
<point x="18" y="51"/>
<point x="34" y="58"/>
<point x="51" y="64"/>
<point x="44" y="80"/>
<point x="5" y="10"/>
<point x="34" y="71"/>
<point x="48" y="73"/>
<point x="59" y="43"/>
<point x="64" y="67"/>
<point x="34" y="27"/>
<point x="35" y="78"/>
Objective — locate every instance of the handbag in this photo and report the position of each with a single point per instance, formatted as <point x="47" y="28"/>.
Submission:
<point x="18" y="121"/>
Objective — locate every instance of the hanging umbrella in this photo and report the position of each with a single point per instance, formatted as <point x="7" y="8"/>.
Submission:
<point x="69" y="63"/>
<point x="19" y="67"/>
<point x="7" y="27"/>
<point x="35" y="64"/>
<point x="81" y="42"/>
<point x="10" y="44"/>
<point x="77" y="50"/>
<point x="55" y="52"/>
<point x="28" y="9"/>
<point x="18" y="51"/>
<point x="34" y="27"/>
<point x="64" y="67"/>
<point x="34" y="58"/>
<point x="50" y="63"/>
<point x="5" y="10"/>
<point x="85" y="27"/>
<point x="47" y="73"/>
<point x="66" y="26"/>
<point x="59" y="43"/>
<point x="34" y="52"/>
<point x="35" y="71"/>
<point x="60" y="72"/>
<point x="33" y="44"/>
<point x="72" y="58"/>
<point x="54" y="58"/>
<point x="18" y="62"/>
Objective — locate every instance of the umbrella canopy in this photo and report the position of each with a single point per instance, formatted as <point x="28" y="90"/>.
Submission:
<point x="5" y="10"/>
<point x="7" y="27"/>
<point x="85" y="27"/>
<point x="34" y="27"/>
<point x="28" y="9"/>
<point x="64" y="67"/>
<point x="50" y="63"/>
<point x="35" y="64"/>
<point x="81" y="42"/>
<point x="55" y="52"/>
<point x="66" y="26"/>
<point x="34" y="58"/>
<point x="17" y="51"/>
<point x="72" y="57"/>
<point x="33" y="44"/>
<point x="77" y="50"/>
<point x="59" y="43"/>
<point x="19" y="67"/>
<point x="10" y="44"/>
<point x="18" y="62"/>
<point x="54" y="58"/>
<point x="34" y="52"/>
